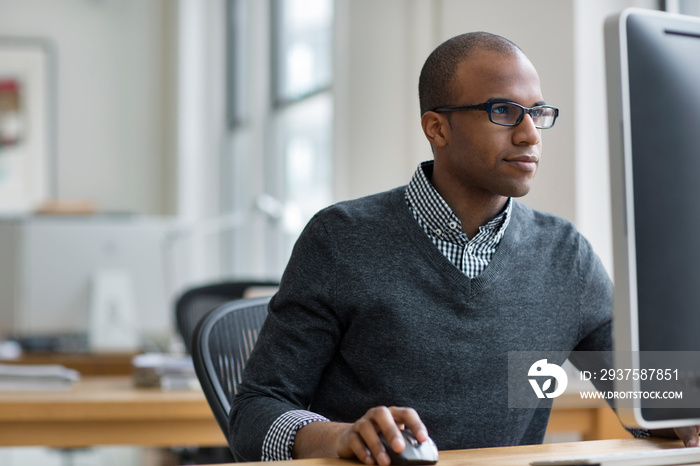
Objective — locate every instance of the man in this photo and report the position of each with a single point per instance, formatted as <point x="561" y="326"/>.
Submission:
<point x="414" y="297"/>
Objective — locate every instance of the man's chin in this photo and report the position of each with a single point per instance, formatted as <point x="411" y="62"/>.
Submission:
<point x="516" y="186"/>
<point x="517" y="191"/>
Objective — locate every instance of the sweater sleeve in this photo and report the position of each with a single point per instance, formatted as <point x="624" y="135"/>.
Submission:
<point x="298" y="340"/>
<point x="596" y="305"/>
<point x="595" y="290"/>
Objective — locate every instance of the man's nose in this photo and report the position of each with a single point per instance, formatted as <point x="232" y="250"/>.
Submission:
<point x="526" y="133"/>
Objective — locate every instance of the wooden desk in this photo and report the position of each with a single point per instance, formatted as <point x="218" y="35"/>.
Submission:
<point x="516" y="456"/>
<point x="107" y="411"/>
<point x="87" y="364"/>
<point x="593" y="419"/>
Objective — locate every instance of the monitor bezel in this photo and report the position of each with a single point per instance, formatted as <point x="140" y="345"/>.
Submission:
<point x="625" y="304"/>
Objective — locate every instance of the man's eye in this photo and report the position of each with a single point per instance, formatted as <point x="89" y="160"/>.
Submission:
<point x="501" y="109"/>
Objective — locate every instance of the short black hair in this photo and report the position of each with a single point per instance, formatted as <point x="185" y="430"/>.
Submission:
<point x="435" y="83"/>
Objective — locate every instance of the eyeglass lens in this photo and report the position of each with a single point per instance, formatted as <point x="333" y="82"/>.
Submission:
<point x="510" y="114"/>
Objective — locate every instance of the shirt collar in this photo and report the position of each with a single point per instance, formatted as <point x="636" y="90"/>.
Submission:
<point x="438" y="217"/>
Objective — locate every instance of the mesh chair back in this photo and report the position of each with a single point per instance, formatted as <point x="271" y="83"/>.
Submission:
<point x="192" y="305"/>
<point x="222" y="343"/>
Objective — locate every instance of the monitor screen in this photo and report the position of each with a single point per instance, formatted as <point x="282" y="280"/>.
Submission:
<point x="103" y="277"/>
<point x="653" y="72"/>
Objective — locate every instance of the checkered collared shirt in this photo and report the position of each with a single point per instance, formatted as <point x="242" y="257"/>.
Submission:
<point x="445" y="230"/>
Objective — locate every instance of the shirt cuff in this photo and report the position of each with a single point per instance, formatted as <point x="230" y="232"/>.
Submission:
<point x="279" y="439"/>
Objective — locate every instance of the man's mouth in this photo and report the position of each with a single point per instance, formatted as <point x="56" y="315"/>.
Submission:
<point x="523" y="162"/>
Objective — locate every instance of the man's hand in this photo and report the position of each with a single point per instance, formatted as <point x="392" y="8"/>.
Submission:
<point x="689" y="435"/>
<point x="361" y="439"/>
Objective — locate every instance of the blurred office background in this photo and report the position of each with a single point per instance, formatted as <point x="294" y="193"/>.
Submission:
<point x="272" y="109"/>
<point x="233" y="121"/>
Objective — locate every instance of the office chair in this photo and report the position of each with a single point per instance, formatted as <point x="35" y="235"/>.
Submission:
<point x="221" y="345"/>
<point x="193" y="304"/>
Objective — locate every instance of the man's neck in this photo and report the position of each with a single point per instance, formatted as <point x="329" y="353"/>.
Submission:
<point x="473" y="209"/>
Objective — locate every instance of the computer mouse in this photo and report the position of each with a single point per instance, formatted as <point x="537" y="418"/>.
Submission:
<point x="414" y="453"/>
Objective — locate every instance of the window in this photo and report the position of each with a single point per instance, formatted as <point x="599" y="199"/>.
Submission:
<point x="302" y="41"/>
<point x="278" y="155"/>
<point x="235" y="62"/>
<point x="302" y="38"/>
<point x="684" y="7"/>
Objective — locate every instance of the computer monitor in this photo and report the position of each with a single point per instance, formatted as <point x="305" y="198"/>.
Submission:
<point x="653" y="81"/>
<point x="102" y="278"/>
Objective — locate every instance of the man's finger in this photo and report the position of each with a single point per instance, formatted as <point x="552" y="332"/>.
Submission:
<point x="384" y="420"/>
<point x="367" y="431"/>
<point x="689" y="435"/>
<point x="360" y="450"/>
<point x="411" y="420"/>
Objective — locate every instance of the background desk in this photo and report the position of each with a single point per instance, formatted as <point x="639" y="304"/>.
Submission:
<point x="516" y="456"/>
<point x="87" y="364"/>
<point x="107" y="411"/>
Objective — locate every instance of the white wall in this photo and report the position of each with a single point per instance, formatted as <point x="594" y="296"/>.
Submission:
<point x="111" y="128"/>
<point x="592" y="177"/>
<point x="120" y="141"/>
<point x="376" y="90"/>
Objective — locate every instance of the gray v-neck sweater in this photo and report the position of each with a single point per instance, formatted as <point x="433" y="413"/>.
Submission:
<point x="370" y="313"/>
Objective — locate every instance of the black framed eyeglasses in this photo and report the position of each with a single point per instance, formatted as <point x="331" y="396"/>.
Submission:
<point x="510" y="113"/>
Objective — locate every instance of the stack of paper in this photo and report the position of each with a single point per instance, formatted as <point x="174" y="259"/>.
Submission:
<point x="167" y="371"/>
<point x="23" y="377"/>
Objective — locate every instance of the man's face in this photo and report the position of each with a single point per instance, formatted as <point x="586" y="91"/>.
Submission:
<point x="480" y="156"/>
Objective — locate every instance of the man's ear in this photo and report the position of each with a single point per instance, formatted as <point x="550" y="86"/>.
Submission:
<point x="436" y="128"/>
